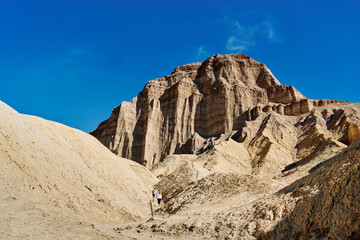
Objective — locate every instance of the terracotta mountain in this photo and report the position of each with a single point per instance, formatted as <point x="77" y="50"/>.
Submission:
<point x="201" y="104"/>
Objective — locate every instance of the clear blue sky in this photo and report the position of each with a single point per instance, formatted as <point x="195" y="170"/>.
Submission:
<point x="74" y="61"/>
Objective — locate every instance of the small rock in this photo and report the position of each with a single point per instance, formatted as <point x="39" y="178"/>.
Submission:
<point x="140" y="226"/>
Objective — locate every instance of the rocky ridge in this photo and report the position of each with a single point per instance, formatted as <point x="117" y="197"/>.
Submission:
<point x="202" y="104"/>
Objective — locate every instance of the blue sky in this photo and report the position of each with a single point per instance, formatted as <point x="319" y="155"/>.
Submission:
<point x="74" y="61"/>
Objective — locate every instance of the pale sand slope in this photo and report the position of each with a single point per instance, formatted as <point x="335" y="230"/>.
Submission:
<point x="216" y="195"/>
<point x="61" y="183"/>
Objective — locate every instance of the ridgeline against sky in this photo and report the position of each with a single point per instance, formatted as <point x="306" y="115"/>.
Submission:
<point x="72" y="61"/>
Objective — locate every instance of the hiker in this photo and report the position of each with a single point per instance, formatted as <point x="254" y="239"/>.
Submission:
<point x="159" y="197"/>
<point x="154" y="193"/>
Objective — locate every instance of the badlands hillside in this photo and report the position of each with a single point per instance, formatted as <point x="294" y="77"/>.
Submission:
<point x="236" y="155"/>
<point x="241" y="156"/>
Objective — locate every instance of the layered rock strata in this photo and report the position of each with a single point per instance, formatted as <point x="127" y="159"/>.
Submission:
<point x="202" y="104"/>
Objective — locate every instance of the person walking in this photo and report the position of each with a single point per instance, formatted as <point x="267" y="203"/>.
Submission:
<point x="154" y="193"/>
<point x="159" y="197"/>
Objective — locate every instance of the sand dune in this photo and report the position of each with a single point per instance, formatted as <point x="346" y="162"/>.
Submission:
<point x="58" y="181"/>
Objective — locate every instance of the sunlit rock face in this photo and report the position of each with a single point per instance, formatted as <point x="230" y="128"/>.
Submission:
<point x="202" y="104"/>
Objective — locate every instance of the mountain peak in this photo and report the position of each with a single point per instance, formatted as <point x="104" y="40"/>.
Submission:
<point x="181" y="112"/>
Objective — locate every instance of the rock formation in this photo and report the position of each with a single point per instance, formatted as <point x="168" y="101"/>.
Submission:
<point x="202" y="104"/>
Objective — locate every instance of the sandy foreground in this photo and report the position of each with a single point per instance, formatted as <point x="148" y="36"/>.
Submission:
<point x="60" y="183"/>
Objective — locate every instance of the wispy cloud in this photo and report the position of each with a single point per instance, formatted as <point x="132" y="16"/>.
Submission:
<point x="201" y="53"/>
<point x="239" y="44"/>
<point x="244" y="37"/>
<point x="271" y="33"/>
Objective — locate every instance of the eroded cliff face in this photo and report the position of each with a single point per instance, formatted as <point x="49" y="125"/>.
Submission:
<point x="330" y="201"/>
<point x="202" y="104"/>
